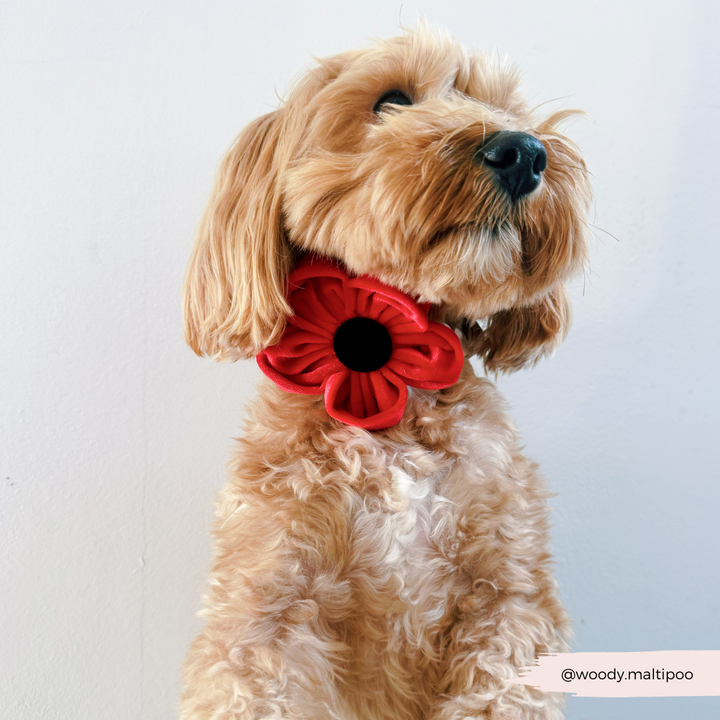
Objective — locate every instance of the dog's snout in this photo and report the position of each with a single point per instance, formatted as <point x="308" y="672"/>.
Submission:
<point x="517" y="161"/>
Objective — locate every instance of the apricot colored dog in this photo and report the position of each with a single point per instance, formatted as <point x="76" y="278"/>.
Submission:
<point x="401" y="573"/>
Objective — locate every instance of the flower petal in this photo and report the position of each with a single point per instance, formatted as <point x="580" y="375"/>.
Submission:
<point x="345" y="398"/>
<point x="326" y="330"/>
<point x="429" y="360"/>
<point x="300" y="363"/>
<point x="314" y="266"/>
<point x="298" y="341"/>
<point x="399" y="300"/>
<point x="319" y="301"/>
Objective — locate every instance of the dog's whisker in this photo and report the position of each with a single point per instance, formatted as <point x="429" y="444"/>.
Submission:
<point x="604" y="231"/>
<point x="547" y="102"/>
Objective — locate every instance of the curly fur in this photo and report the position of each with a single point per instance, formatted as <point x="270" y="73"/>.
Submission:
<point x="400" y="574"/>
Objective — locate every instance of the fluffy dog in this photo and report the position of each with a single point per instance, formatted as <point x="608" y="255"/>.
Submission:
<point x="404" y="573"/>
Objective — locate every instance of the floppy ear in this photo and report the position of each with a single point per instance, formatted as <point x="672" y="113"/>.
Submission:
<point x="234" y="294"/>
<point x="521" y="336"/>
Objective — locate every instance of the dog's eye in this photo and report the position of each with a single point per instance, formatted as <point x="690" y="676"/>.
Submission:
<point x="392" y="97"/>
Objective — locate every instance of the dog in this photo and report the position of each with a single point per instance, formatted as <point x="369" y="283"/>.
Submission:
<point x="397" y="572"/>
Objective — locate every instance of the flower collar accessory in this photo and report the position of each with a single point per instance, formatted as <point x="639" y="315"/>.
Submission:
<point x="359" y="343"/>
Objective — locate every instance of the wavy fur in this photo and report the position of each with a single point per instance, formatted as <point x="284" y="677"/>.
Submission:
<point x="403" y="574"/>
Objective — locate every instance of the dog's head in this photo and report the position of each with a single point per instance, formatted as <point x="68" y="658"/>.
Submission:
<point x="414" y="162"/>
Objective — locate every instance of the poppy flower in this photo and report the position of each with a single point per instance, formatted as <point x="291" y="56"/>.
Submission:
<point x="359" y="343"/>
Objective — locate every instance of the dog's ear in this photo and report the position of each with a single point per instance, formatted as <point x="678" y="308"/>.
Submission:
<point x="521" y="336"/>
<point x="234" y="294"/>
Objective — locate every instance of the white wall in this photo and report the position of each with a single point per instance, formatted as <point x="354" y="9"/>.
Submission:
<point x="114" y="435"/>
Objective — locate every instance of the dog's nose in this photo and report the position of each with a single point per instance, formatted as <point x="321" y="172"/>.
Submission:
<point x="517" y="160"/>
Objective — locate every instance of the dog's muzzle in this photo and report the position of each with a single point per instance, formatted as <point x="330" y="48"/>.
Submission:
<point x="516" y="159"/>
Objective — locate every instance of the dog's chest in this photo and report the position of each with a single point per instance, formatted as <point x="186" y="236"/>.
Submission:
<point x="403" y="569"/>
<point x="406" y="536"/>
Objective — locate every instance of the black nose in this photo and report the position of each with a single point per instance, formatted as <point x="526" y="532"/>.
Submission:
<point x="517" y="160"/>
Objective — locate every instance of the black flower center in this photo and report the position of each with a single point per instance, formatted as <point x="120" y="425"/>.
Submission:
<point x="362" y="344"/>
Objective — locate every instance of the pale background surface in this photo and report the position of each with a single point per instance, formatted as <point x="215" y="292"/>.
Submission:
<point x="115" y="436"/>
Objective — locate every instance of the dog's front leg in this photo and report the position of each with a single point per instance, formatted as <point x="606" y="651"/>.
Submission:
<point x="267" y="650"/>
<point x="512" y="613"/>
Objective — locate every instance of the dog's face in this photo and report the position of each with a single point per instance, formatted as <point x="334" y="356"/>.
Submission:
<point x="413" y="162"/>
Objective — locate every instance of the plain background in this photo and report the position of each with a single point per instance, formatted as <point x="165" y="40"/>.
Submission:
<point x="113" y="117"/>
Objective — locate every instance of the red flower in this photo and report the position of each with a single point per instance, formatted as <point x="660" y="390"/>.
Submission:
<point x="360" y="343"/>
